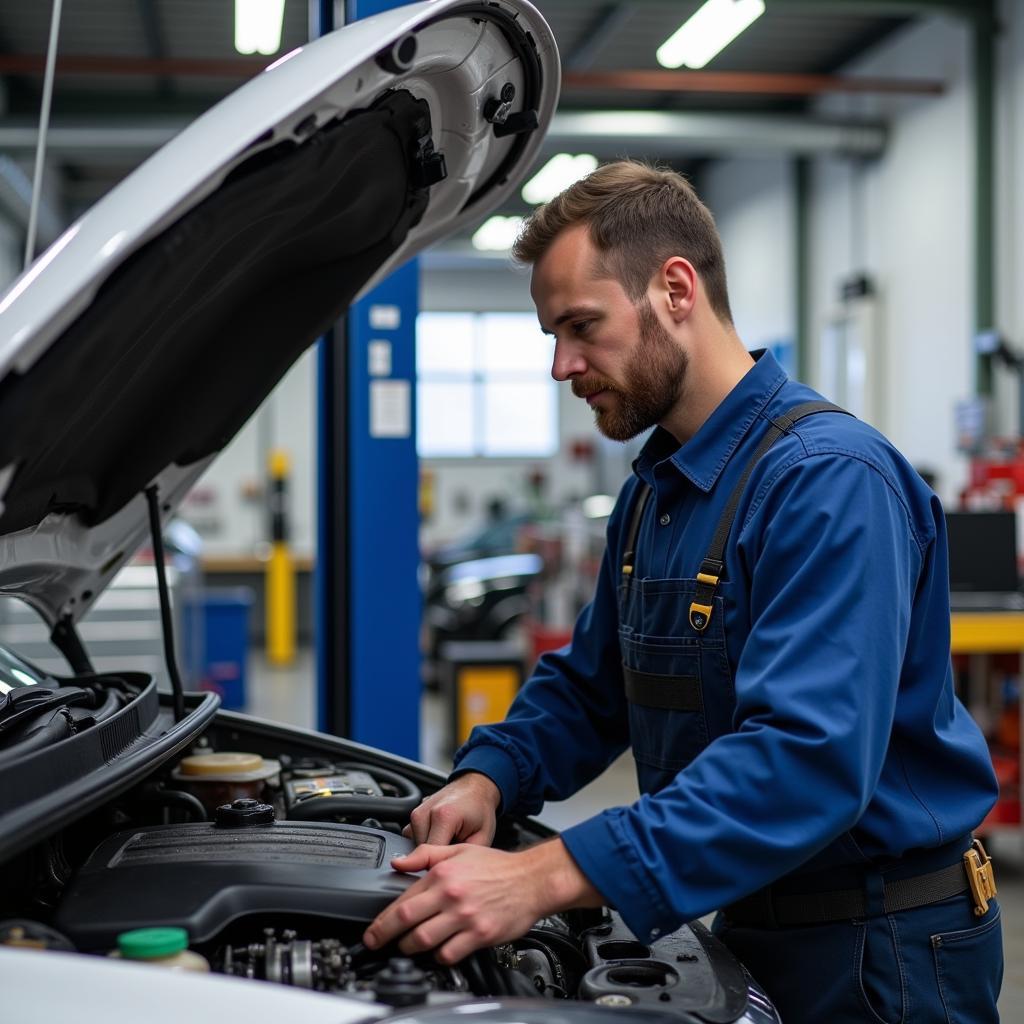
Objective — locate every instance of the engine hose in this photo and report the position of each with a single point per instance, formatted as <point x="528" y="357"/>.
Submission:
<point x="520" y="985"/>
<point x="497" y="979"/>
<point x="326" y="808"/>
<point x="176" y="798"/>
<point x="555" y="965"/>
<point x="565" y="947"/>
<point x="59" y="727"/>
<point x="470" y="967"/>
<point x="110" y="706"/>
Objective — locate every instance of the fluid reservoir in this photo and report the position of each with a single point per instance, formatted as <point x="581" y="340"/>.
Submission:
<point x="225" y="776"/>
<point x="164" y="947"/>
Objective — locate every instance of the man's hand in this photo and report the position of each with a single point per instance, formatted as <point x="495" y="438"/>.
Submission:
<point x="464" y="811"/>
<point x="473" y="897"/>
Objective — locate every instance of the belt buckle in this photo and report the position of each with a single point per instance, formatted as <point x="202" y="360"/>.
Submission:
<point x="980" y="876"/>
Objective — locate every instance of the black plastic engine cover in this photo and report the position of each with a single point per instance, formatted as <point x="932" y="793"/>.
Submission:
<point x="201" y="877"/>
<point x="689" y="972"/>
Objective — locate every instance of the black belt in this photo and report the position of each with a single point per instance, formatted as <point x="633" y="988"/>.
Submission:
<point x="771" y="908"/>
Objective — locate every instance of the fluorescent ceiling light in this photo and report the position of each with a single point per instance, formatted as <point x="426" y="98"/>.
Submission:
<point x="497" y="234"/>
<point x="556" y="175"/>
<point x="709" y="30"/>
<point x="258" y="26"/>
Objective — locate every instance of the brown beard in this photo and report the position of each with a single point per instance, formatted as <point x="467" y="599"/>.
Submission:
<point x="652" y="385"/>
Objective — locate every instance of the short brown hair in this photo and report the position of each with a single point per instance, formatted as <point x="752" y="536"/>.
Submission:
<point x="638" y="216"/>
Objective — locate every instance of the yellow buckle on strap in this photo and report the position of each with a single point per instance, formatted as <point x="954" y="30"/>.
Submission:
<point x="703" y="577"/>
<point x="980" y="876"/>
<point x="627" y="570"/>
<point x="700" y="616"/>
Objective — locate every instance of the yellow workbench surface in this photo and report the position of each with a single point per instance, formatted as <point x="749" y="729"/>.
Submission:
<point x="987" y="632"/>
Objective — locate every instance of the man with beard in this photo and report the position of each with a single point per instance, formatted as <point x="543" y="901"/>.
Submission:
<point x="769" y="634"/>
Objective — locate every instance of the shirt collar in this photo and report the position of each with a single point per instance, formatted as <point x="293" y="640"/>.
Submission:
<point x="705" y="455"/>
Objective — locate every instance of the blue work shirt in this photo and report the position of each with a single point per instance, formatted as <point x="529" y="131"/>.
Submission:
<point x="829" y="732"/>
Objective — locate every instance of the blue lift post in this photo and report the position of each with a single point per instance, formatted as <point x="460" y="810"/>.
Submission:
<point x="368" y="602"/>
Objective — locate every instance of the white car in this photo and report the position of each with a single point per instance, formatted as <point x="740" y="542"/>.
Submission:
<point x="131" y="353"/>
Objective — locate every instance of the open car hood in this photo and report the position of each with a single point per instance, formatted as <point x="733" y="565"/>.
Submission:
<point x="140" y="342"/>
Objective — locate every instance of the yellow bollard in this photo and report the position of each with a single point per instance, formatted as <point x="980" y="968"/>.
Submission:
<point x="280" y="577"/>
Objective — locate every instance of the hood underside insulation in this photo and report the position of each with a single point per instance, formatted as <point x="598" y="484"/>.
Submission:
<point x="188" y="336"/>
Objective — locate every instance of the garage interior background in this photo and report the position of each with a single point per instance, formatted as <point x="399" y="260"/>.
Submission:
<point x="864" y="160"/>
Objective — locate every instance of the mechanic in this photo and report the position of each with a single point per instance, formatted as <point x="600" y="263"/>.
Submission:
<point x="769" y="633"/>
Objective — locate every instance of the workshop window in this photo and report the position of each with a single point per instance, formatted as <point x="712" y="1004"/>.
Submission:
<point x="484" y="386"/>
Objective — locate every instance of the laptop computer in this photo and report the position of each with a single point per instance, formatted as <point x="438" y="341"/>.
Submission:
<point x="983" y="562"/>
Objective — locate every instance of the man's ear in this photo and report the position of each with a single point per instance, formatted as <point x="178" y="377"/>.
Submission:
<point x="678" y="285"/>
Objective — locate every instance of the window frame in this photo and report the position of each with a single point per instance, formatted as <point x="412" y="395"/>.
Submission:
<point x="478" y="377"/>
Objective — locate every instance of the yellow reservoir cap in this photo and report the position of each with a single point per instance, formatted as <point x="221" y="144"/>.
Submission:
<point x="227" y="762"/>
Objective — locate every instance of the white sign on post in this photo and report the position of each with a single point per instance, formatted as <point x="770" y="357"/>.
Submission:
<point x="385" y="318"/>
<point x="380" y="358"/>
<point x="390" y="408"/>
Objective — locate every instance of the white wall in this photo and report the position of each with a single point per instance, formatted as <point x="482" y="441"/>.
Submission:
<point x="906" y="219"/>
<point x="753" y="204"/>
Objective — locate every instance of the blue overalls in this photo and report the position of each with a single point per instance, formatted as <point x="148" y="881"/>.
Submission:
<point x="803" y="761"/>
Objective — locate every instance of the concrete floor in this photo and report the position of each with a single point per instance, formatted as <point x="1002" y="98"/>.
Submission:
<point x="287" y="695"/>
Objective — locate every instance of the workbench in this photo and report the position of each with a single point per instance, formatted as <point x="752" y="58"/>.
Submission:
<point x="987" y="632"/>
<point x="979" y="635"/>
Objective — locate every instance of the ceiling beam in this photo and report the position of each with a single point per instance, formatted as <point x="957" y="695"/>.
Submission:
<point x="647" y="81"/>
<point x="895" y="8"/>
<point x="610" y="134"/>
<point x="34" y="64"/>
<point x="762" y="83"/>
<point x="605" y="133"/>
<point x="139" y="139"/>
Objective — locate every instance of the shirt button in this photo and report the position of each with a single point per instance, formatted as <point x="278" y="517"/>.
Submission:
<point x="665" y="519"/>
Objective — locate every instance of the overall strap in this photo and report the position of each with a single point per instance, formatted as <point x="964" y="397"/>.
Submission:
<point x="710" y="573"/>
<point x="629" y="552"/>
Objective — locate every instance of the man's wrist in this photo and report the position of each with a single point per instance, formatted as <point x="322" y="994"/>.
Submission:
<point x="482" y="784"/>
<point x="562" y="885"/>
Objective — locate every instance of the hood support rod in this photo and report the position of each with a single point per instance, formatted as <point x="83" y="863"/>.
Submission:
<point x="44" y="124"/>
<point x="153" y="500"/>
<point x="66" y="639"/>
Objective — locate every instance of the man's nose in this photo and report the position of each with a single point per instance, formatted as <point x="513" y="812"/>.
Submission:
<point x="567" y="363"/>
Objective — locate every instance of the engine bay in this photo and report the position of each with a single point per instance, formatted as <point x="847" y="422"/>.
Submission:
<point x="270" y="849"/>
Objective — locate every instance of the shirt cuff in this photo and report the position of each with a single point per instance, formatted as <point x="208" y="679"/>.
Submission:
<point x="498" y="766"/>
<point x="602" y="850"/>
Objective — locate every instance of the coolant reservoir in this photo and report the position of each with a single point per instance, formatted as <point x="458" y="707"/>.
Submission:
<point x="164" y="947"/>
<point x="225" y="776"/>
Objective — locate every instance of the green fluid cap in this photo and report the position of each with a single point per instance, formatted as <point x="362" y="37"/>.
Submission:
<point x="150" y="943"/>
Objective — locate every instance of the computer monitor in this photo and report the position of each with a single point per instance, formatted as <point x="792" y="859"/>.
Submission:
<point x="982" y="551"/>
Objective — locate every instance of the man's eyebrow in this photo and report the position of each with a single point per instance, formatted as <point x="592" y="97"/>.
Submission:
<point x="572" y="313"/>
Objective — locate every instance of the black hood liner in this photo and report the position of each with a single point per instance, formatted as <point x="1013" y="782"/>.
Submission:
<point x="185" y="339"/>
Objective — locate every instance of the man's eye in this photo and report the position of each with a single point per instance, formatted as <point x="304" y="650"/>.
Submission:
<point x="581" y="326"/>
